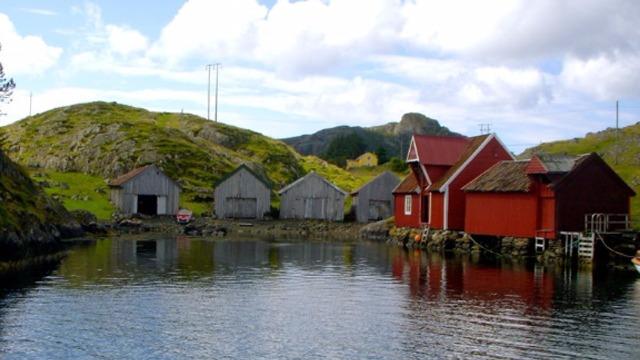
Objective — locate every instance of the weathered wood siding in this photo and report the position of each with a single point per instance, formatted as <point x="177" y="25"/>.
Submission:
<point x="152" y="181"/>
<point x="312" y="197"/>
<point x="243" y="196"/>
<point x="375" y="199"/>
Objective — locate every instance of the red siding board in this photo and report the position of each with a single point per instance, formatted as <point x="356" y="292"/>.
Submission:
<point x="411" y="220"/>
<point x="437" y="207"/>
<point x="501" y="214"/>
<point x="491" y="154"/>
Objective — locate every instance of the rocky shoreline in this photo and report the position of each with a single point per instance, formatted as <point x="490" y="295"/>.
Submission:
<point x="210" y="227"/>
<point x="512" y="248"/>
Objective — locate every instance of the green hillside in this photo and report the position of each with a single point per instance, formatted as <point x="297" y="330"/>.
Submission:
<point x="620" y="150"/>
<point x="74" y="150"/>
<point x="30" y="221"/>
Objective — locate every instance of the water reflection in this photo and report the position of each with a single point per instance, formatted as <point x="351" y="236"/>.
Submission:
<point x="192" y="298"/>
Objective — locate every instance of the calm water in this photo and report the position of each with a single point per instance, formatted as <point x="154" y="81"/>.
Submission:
<point x="185" y="298"/>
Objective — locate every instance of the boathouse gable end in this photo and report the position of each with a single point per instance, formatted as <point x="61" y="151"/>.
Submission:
<point x="590" y="187"/>
<point x="146" y="190"/>
<point x="408" y="190"/>
<point x="482" y="153"/>
<point x="242" y="194"/>
<point x="312" y="197"/>
<point x="374" y="200"/>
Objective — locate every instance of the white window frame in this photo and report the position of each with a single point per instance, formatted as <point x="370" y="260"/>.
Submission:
<point x="407" y="204"/>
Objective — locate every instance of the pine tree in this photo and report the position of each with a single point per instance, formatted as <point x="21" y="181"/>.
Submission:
<point x="6" y="90"/>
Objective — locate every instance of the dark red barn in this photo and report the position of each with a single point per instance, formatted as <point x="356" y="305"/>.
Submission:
<point x="543" y="196"/>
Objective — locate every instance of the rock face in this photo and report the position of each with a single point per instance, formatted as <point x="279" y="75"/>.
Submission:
<point x="31" y="223"/>
<point x="390" y="136"/>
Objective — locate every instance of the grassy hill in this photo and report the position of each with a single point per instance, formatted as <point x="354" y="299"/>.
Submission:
<point x="620" y="150"/>
<point x="30" y="221"/>
<point x="74" y="150"/>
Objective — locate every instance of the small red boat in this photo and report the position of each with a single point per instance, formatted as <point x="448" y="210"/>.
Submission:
<point x="184" y="216"/>
<point x="636" y="262"/>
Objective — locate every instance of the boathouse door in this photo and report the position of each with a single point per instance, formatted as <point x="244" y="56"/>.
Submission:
<point x="379" y="209"/>
<point x="162" y="205"/>
<point x="315" y="208"/>
<point x="147" y="204"/>
<point x="241" y="208"/>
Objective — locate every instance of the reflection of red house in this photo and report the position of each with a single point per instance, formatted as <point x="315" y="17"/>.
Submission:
<point x="442" y="165"/>
<point x="406" y="197"/>
<point x="542" y="196"/>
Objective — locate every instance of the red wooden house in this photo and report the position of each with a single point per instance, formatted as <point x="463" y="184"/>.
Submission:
<point x="441" y="165"/>
<point x="543" y="196"/>
<point x="445" y="196"/>
<point x="429" y="158"/>
<point x="406" y="198"/>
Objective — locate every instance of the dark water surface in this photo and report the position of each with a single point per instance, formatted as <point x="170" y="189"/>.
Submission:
<point x="185" y="298"/>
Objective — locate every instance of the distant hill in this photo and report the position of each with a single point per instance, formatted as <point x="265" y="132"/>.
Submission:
<point x="76" y="148"/>
<point x="390" y="136"/>
<point x="621" y="151"/>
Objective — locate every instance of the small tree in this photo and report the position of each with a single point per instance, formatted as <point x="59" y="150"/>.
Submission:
<point x="6" y="85"/>
<point x="381" y="152"/>
<point x="398" y="165"/>
<point x="6" y="90"/>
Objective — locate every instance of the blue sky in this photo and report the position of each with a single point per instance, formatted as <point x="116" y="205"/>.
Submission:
<point x="536" y="71"/>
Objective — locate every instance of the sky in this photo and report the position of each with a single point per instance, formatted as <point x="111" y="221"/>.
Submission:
<point x="535" y="70"/>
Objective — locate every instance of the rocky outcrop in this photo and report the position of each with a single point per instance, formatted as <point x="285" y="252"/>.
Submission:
<point x="31" y="223"/>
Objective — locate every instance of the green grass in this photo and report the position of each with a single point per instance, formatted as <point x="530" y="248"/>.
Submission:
<point x="77" y="191"/>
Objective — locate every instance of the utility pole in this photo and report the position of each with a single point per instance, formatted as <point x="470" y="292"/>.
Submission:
<point x="208" y="66"/>
<point x="617" y="145"/>
<point x="485" y="129"/>
<point x="216" y="108"/>
<point x="30" y="101"/>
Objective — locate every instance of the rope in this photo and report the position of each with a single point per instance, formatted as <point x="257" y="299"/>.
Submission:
<point x="613" y="251"/>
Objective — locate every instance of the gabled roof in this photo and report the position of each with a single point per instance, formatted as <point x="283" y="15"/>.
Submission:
<point x="505" y="176"/>
<point x="475" y="143"/>
<point x="246" y="167"/>
<point x="311" y="174"/>
<point x="122" y="179"/>
<point x="438" y="150"/>
<point x="583" y="160"/>
<point x="408" y="185"/>
<point x="384" y="174"/>
<point x="552" y="164"/>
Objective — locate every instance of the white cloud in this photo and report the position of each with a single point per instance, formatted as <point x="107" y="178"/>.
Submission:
<point x="125" y="41"/>
<point x="604" y="77"/>
<point x="39" y="11"/>
<point x="24" y="54"/>
<point x="209" y="29"/>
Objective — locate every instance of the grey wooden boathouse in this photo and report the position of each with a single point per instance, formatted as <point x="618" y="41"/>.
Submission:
<point x="145" y="190"/>
<point x="242" y="194"/>
<point x="374" y="200"/>
<point x="312" y="197"/>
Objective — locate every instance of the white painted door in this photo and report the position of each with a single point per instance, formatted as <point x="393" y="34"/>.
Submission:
<point x="134" y="208"/>
<point x="162" y="205"/>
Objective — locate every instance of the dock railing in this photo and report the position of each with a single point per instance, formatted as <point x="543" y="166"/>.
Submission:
<point x="606" y="223"/>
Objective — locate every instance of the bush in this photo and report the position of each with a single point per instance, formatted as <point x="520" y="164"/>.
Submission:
<point x="398" y="165"/>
